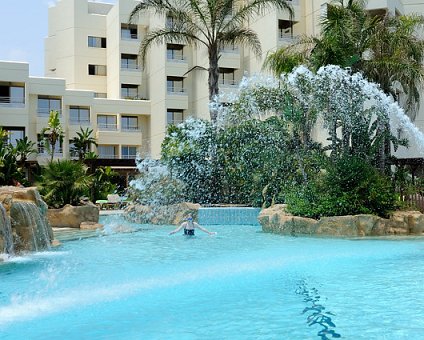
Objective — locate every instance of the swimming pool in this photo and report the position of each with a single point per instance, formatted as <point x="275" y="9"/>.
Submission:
<point x="239" y="284"/>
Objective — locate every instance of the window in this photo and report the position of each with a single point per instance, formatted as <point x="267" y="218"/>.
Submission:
<point x="226" y="76"/>
<point x="129" y="61"/>
<point x="47" y="104"/>
<point x="175" y="85"/>
<point x="129" y="32"/>
<point x="170" y="21"/>
<point x="285" y="29"/>
<point x="97" y="70"/>
<point x="96" y="42"/>
<point x="106" y="122"/>
<point x="129" y="91"/>
<point x="12" y="95"/>
<point x="129" y="152"/>
<point x="174" y="116"/>
<point x="79" y="115"/>
<point x="13" y="134"/>
<point x="107" y="151"/>
<point x="129" y="123"/>
<point x="174" y="52"/>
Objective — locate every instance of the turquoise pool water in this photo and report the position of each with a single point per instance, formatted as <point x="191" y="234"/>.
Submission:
<point x="239" y="284"/>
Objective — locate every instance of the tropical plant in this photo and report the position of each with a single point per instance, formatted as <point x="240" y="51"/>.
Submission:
<point x="52" y="133"/>
<point x="24" y="148"/>
<point x="81" y="144"/>
<point x="102" y="184"/>
<point x="209" y="23"/>
<point x="349" y="186"/>
<point x="10" y="173"/>
<point x="64" y="182"/>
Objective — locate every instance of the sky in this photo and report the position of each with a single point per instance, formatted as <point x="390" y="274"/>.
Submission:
<point x="23" y="27"/>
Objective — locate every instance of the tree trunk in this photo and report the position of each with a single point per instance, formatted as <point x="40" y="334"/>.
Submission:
<point x="213" y="78"/>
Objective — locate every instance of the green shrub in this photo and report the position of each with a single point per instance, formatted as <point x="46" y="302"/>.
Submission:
<point x="349" y="186"/>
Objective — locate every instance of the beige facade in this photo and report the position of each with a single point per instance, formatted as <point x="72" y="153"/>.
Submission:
<point x="94" y="76"/>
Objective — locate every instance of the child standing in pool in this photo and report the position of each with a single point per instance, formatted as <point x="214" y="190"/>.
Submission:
<point x="189" y="225"/>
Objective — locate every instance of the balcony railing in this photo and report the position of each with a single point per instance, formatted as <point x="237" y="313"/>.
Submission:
<point x="108" y="156"/>
<point x="42" y="151"/>
<point x="12" y="101"/>
<point x="128" y="36"/>
<point x="229" y="49"/>
<point x="43" y="112"/>
<point x="107" y="127"/>
<point x="129" y="156"/>
<point x="130" y="129"/>
<point x="228" y="82"/>
<point x="79" y="122"/>
<point x="130" y="66"/>
<point x="176" y="58"/>
<point x="177" y="91"/>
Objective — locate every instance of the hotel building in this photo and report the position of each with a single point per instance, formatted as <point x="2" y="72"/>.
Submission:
<point x="94" y="76"/>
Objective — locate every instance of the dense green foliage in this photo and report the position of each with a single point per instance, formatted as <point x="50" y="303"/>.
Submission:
<point x="102" y="183"/>
<point x="347" y="187"/>
<point x="64" y="182"/>
<point x="13" y="158"/>
<point x="67" y="182"/>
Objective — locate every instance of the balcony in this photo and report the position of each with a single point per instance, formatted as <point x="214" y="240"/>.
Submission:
<point x="17" y="102"/>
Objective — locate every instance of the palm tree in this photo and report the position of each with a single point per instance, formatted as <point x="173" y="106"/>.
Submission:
<point x="208" y="23"/>
<point x="395" y="59"/>
<point x="53" y="132"/>
<point x="83" y="142"/>
<point x="24" y="148"/>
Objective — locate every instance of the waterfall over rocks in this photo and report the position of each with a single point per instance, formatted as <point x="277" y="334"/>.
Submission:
<point x="6" y="238"/>
<point x="23" y="221"/>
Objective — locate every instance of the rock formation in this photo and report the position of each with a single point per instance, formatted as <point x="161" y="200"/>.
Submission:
<point x="277" y="220"/>
<point x="72" y="216"/>
<point x="23" y="221"/>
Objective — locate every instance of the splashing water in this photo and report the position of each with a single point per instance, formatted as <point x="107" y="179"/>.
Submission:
<point x="6" y="232"/>
<point x="331" y="87"/>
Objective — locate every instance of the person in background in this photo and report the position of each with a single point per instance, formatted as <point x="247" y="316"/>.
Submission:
<point x="189" y="225"/>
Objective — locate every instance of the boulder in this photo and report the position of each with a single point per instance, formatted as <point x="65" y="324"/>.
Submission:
<point x="72" y="216"/>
